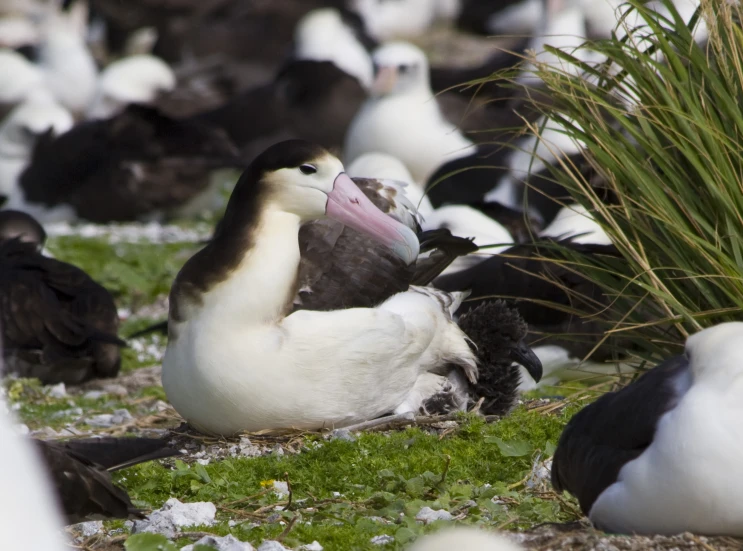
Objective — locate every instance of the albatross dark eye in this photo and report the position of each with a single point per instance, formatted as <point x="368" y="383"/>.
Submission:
<point x="307" y="169"/>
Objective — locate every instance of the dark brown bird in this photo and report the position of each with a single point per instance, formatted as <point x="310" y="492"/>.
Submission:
<point x="81" y="474"/>
<point x="58" y="325"/>
<point x="137" y="164"/>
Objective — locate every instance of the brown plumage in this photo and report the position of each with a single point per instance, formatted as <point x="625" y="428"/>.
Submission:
<point x="135" y="164"/>
<point x="57" y="323"/>
<point x="340" y="268"/>
<point x="81" y="474"/>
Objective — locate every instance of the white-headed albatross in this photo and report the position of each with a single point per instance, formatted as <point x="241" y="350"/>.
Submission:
<point x="236" y="361"/>
<point x="663" y="455"/>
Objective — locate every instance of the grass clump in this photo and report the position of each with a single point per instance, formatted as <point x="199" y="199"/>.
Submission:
<point x="662" y="126"/>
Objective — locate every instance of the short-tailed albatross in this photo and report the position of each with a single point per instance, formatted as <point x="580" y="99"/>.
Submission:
<point x="238" y="360"/>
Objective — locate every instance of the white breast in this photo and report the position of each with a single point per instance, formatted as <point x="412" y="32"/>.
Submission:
<point x="409" y="127"/>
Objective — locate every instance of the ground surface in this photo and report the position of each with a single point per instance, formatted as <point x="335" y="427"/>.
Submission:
<point x="372" y="490"/>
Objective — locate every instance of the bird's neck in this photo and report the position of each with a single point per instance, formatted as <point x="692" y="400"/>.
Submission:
<point x="255" y="289"/>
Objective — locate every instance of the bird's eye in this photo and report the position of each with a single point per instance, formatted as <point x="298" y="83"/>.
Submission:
<point x="402" y="69"/>
<point x="307" y="169"/>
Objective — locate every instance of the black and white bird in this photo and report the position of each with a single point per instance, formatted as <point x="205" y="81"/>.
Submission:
<point x="662" y="455"/>
<point x="402" y="117"/>
<point x="57" y="323"/>
<point x="80" y="471"/>
<point x="331" y="368"/>
<point x="139" y="164"/>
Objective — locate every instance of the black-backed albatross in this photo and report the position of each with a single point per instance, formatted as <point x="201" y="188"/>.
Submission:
<point x="663" y="455"/>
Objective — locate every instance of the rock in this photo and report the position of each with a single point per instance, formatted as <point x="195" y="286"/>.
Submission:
<point x="116" y="389"/>
<point x="271" y="545"/>
<point x="105" y="420"/>
<point x="175" y="515"/>
<point x="343" y="434"/>
<point x="382" y="540"/>
<point x="226" y="543"/>
<point x="426" y="515"/>
<point x="203" y="461"/>
<point x="314" y="546"/>
<point x="247" y="448"/>
<point x="94" y="394"/>
<point x="57" y="391"/>
<point x="67" y="412"/>
<point x="87" y="529"/>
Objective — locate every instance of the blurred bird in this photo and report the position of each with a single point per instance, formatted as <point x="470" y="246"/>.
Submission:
<point x="81" y="469"/>
<point x="58" y="325"/>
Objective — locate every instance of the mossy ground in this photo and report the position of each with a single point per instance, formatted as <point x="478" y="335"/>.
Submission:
<point x="344" y="492"/>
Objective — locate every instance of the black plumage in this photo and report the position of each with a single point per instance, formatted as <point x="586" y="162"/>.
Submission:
<point x="615" y="429"/>
<point x="81" y="474"/>
<point x="548" y="292"/>
<point x="311" y="100"/>
<point x="132" y="165"/>
<point x="499" y="333"/>
<point x="57" y="323"/>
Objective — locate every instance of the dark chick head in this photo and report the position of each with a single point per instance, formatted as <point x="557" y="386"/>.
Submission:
<point x="15" y="224"/>
<point x="498" y="332"/>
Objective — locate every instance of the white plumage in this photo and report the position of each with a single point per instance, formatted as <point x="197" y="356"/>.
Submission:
<point x="321" y="35"/>
<point x="575" y="221"/>
<point x="135" y="79"/>
<point x="69" y="68"/>
<point x="464" y="539"/>
<point x="20" y="77"/>
<point x="402" y="118"/>
<point x="19" y="131"/>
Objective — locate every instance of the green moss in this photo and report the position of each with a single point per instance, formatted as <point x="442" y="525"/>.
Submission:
<point x="338" y="486"/>
<point x="136" y="273"/>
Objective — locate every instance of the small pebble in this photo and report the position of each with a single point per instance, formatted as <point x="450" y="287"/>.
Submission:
<point x="94" y="394"/>
<point x="314" y="546"/>
<point x="56" y="391"/>
<point x="67" y="412"/>
<point x="426" y="515"/>
<point x="382" y="540"/>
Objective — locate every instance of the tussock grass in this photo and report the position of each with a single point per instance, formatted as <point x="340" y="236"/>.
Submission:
<point x="662" y="126"/>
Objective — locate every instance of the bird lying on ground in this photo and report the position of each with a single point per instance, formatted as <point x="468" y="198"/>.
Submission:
<point x="662" y="455"/>
<point x="237" y="359"/>
<point x="58" y="325"/>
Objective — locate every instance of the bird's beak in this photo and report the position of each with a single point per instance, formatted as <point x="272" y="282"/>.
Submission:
<point x="525" y="356"/>
<point x="384" y="81"/>
<point x="348" y="205"/>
